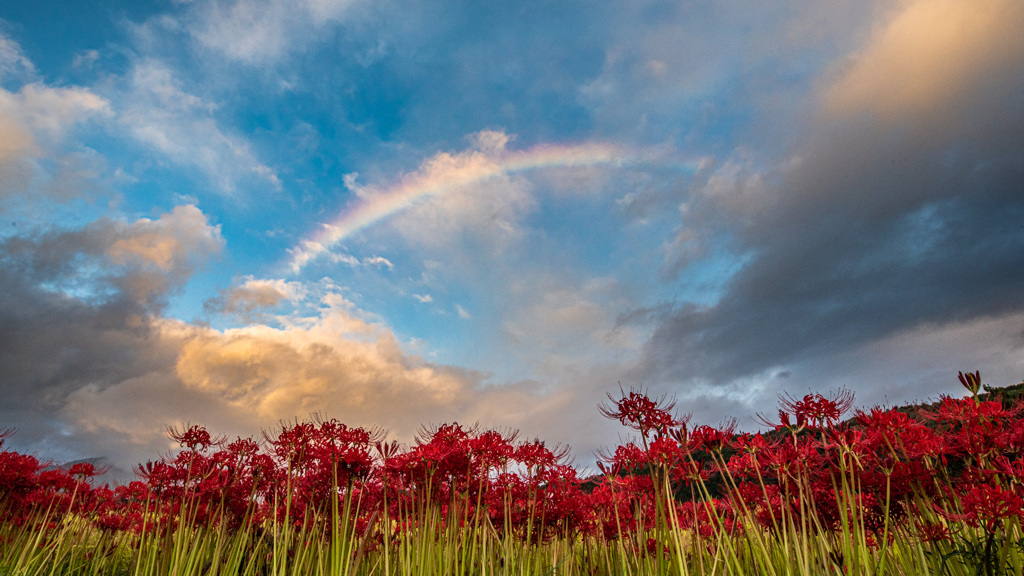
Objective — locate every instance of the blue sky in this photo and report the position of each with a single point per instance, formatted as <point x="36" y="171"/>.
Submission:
<point x="400" y="213"/>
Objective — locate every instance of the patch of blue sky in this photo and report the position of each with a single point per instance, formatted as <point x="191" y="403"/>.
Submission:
<point x="55" y="36"/>
<point x="484" y="71"/>
<point x="606" y="244"/>
<point x="450" y="328"/>
<point x="705" y="281"/>
<point x="85" y="281"/>
<point x="21" y="215"/>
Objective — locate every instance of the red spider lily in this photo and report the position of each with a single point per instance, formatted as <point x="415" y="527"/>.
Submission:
<point x="790" y="461"/>
<point x="1013" y="470"/>
<point x="878" y="467"/>
<point x="664" y="452"/>
<point x="536" y="456"/>
<point x="986" y="505"/>
<point x="714" y="439"/>
<point x="681" y="434"/>
<point x="932" y="532"/>
<point x="751" y="450"/>
<point x="752" y="443"/>
<point x="966" y="410"/>
<point x="17" y="473"/>
<point x="628" y="457"/>
<point x="639" y="412"/>
<point x="195" y="438"/>
<point x="690" y="471"/>
<point x="85" y="470"/>
<point x="844" y="439"/>
<point x="815" y="410"/>
<point x="609" y="469"/>
<point x="899" y="434"/>
<point x="491" y="449"/>
<point x="291" y="443"/>
<point x="387" y="450"/>
<point x="971" y="381"/>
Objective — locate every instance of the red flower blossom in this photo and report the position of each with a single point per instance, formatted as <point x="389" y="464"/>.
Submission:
<point x="932" y="532"/>
<point x="816" y="410"/>
<point x="986" y="505"/>
<point x="638" y="412"/>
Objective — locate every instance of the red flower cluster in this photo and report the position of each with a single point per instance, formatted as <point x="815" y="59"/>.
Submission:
<point x="965" y="458"/>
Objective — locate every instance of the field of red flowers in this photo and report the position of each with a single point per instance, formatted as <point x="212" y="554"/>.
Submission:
<point x="882" y="492"/>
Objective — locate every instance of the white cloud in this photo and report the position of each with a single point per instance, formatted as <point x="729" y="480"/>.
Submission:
<point x="38" y="115"/>
<point x="257" y="31"/>
<point x="34" y="125"/>
<point x="86" y="59"/>
<point x="13" y="61"/>
<point x="490" y="141"/>
<point x="423" y="298"/>
<point x="346" y="259"/>
<point x="160" y="113"/>
<point x="350" y="260"/>
<point x="462" y="312"/>
<point x="379" y="261"/>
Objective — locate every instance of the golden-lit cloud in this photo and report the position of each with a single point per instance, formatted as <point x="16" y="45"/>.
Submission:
<point x="15" y="139"/>
<point x="167" y="242"/>
<point x="338" y="363"/>
<point x="933" y="55"/>
<point x="160" y="252"/>
<point x="253" y="295"/>
<point x="245" y="380"/>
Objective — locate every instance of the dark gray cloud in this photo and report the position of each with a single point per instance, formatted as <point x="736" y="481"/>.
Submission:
<point x="879" y="223"/>
<point x="78" y="307"/>
<point x="53" y="345"/>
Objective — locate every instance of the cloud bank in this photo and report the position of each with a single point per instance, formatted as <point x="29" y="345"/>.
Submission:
<point x="900" y="210"/>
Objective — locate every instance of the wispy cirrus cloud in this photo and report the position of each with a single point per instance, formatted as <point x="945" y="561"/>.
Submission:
<point x="13" y="62"/>
<point x="161" y="113"/>
<point x="257" y="31"/>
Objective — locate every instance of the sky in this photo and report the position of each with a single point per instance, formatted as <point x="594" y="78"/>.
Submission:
<point x="238" y="213"/>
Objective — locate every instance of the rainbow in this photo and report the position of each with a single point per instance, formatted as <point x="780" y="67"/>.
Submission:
<point x="445" y="172"/>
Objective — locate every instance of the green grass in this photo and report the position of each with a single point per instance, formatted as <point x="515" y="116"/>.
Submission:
<point x="448" y="542"/>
